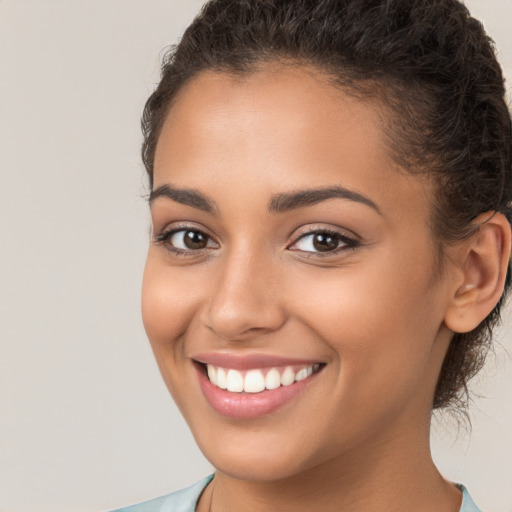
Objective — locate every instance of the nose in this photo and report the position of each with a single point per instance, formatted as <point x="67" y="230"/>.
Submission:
<point x="245" y="300"/>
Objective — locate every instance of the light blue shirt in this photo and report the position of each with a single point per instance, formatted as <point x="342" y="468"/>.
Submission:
<point x="186" y="500"/>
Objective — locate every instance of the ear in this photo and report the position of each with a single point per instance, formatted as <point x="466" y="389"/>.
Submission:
<point x="482" y="264"/>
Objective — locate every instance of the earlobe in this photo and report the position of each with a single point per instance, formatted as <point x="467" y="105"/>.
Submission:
<point x="483" y="262"/>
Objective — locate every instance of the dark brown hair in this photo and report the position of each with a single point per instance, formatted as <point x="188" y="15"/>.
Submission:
<point x="428" y="62"/>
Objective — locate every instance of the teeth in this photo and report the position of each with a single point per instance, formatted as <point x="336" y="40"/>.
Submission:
<point x="212" y="374"/>
<point x="288" y="377"/>
<point x="301" y="374"/>
<point x="254" y="381"/>
<point x="235" y="381"/>
<point x="222" y="380"/>
<point x="272" y="379"/>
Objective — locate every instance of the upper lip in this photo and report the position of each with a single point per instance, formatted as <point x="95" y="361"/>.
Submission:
<point x="250" y="361"/>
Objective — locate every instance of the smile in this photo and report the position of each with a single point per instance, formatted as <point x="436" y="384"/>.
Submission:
<point x="247" y="388"/>
<point x="258" y="380"/>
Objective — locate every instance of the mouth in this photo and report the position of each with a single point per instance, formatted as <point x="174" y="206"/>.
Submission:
<point x="258" y="380"/>
<point x="242" y="389"/>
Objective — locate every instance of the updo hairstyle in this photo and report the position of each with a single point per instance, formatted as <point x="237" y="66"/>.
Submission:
<point x="429" y="66"/>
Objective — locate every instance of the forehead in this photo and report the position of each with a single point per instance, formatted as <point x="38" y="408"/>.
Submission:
<point x="279" y="128"/>
<point x="276" y="106"/>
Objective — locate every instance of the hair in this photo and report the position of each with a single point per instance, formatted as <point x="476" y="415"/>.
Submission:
<point x="427" y="62"/>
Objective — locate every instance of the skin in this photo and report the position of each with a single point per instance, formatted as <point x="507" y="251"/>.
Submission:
<point x="358" y="437"/>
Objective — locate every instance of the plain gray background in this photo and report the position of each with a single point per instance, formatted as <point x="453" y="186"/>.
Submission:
<point x="85" y="422"/>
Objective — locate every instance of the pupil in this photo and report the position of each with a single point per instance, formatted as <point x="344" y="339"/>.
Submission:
<point x="324" y="242"/>
<point x="195" y="240"/>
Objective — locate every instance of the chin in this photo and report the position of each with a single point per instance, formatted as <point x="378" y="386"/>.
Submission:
<point x="254" y="468"/>
<point x="256" y="455"/>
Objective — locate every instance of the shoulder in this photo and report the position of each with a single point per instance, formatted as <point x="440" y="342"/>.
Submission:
<point x="179" y="501"/>
<point x="186" y="500"/>
<point x="468" y="505"/>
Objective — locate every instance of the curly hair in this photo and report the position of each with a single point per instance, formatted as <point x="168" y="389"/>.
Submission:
<point x="428" y="62"/>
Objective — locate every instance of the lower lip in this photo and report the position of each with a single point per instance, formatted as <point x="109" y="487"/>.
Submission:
<point x="245" y="406"/>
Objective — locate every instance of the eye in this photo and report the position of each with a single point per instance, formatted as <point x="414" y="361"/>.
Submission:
<point x="323" y="241"/>
<point x="186" y="240"/>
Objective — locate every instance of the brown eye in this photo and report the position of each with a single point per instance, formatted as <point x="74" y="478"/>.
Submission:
<point x="323" y="242"/>
<point x="320" y="241"/>
<point x="195" y="240"/>
<point x="189" y="240"/>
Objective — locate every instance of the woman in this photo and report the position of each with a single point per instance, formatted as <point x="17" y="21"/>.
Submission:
<point x="330" y="193"/>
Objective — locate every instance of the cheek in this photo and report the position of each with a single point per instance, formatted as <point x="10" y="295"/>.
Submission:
<point x="169" y="301"/>
<point x="364" y="302"/>
<point x="380" y="321"/>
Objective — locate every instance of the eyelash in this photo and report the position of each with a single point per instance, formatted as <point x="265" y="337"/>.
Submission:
<point x="349" y="243"/>
<point x="164" y="238"/>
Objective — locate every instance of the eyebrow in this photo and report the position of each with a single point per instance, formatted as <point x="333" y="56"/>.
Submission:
<point x="308" y="197"/>
<point x="279" y="203"/>
<point x="185" y="196"/>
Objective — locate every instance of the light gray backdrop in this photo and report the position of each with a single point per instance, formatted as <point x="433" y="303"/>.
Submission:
<point x="85" y="422"/>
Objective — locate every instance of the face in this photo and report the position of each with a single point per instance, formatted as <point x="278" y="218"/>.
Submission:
<point x="292" y="262"/>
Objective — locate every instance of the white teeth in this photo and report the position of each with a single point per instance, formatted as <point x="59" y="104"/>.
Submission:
<point x="235" y="381"/>
<point x="222" y="380"/>
<point x="288" y="377"/>
<point x="254" y="381"/>
<point x="301" y="374"/>
<point x="272" y="379"/>
<point x="212" y="374"/>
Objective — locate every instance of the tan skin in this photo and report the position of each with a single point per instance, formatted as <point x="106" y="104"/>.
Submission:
<point x="372" y="306"/>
